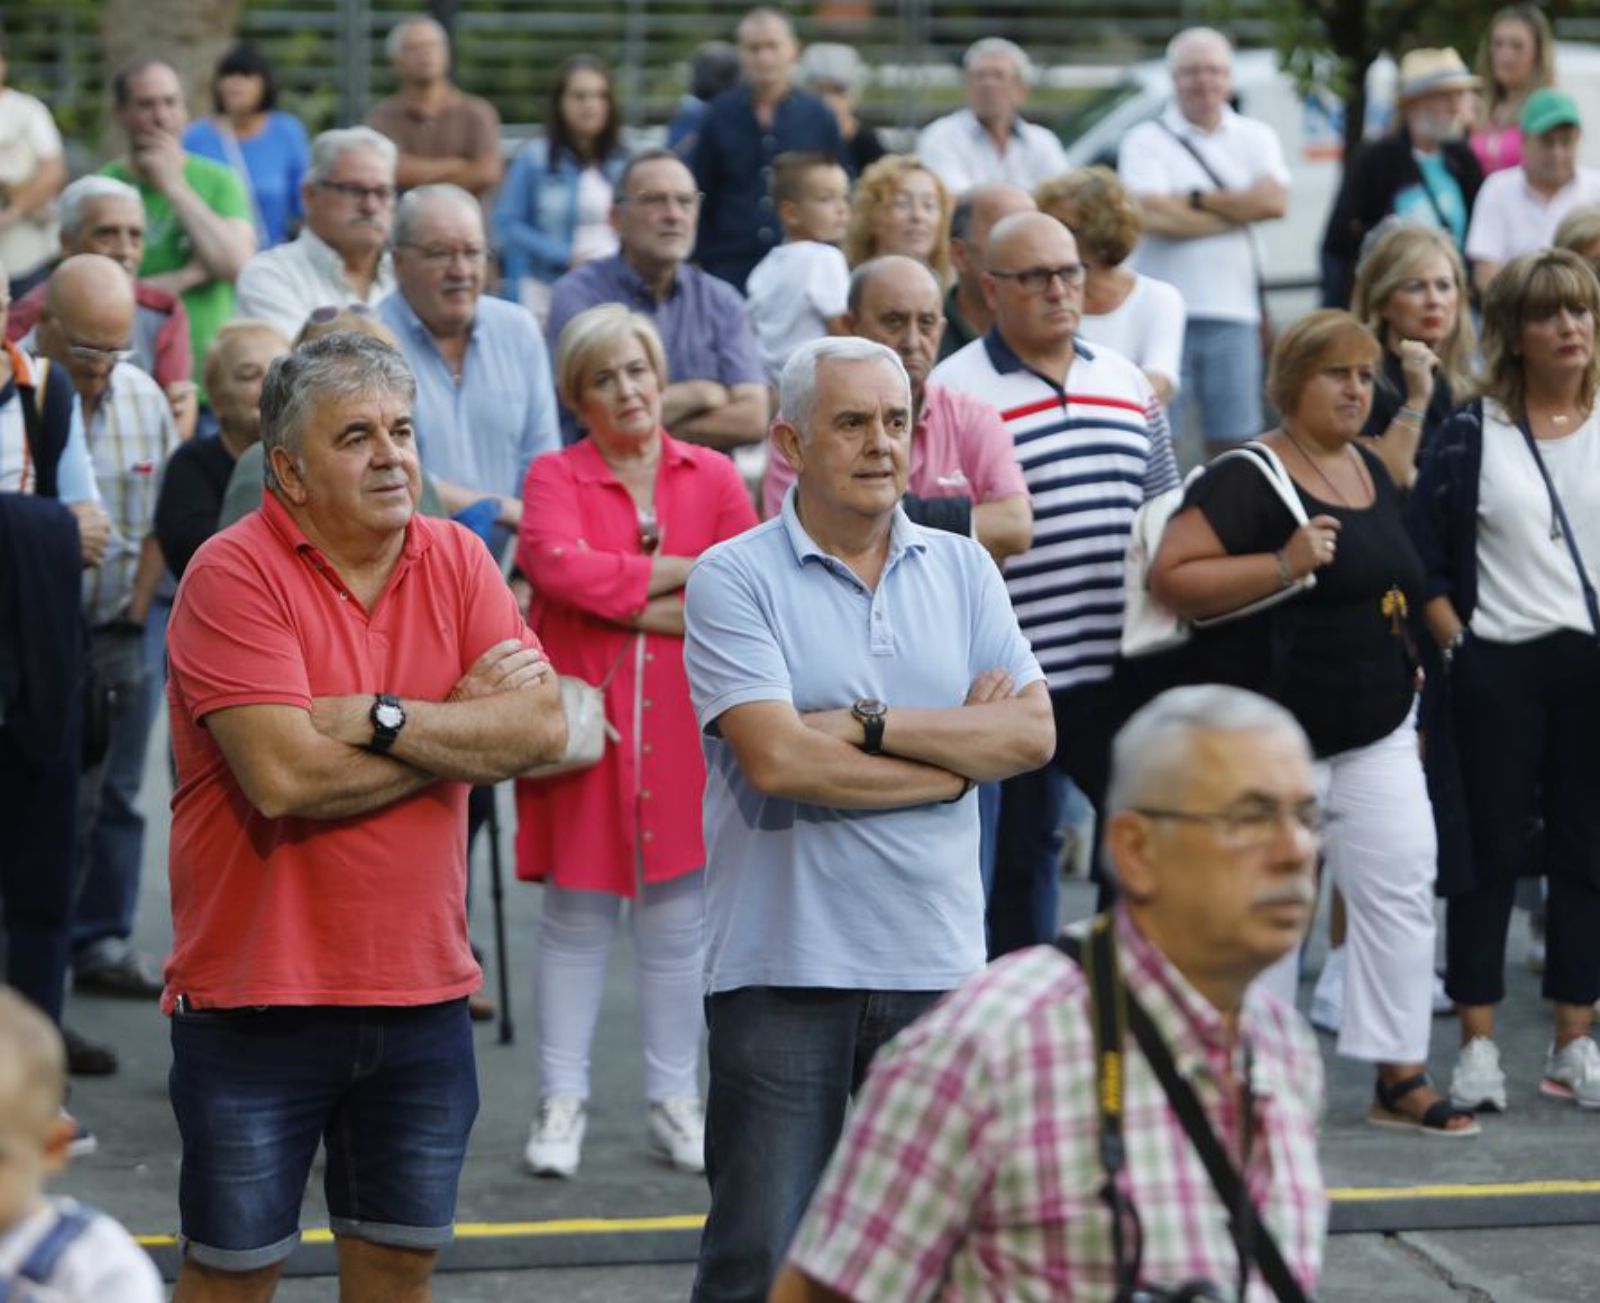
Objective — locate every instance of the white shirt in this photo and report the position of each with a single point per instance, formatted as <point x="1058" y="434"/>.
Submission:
<point x="961" y="153"/>
<point x="102" y="1265"/>
<point x="1146" y="328"/>
<point x="285" y="284"/>
<point x="594" y="236"/>
<point x="1527" y="584"/>
<point x="28" y="137"/>
<point x="1511" y="218"/>
<point x="1216" y="274"/>
<point x="791" y="293"/>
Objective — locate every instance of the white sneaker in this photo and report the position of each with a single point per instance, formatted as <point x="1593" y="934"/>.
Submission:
<point x="557" y="1136"/>
<point x="1327" y="998"/>
<point x="678" y="1129"/>
<point x="1477" y="1083"/>
<point x="1573" y="1072"/>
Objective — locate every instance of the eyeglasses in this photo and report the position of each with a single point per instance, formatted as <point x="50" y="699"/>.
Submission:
<point x="1036" y="280"/>
<point x="649" y="533"/>
<point x="655" y="201"/>
<point x="332" y="311"/>
<point x="1252" y="824"/>
<point x="99" y="356"/>
<point x="438" y="256"/>
<point x="384" y="194"/>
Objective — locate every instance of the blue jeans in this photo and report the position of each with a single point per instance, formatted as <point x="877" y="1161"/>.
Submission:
<point x="1026" y="900"/>
<point x="1221" y="399"/>
<point x="391" y="1094"/>
<point x="110" y="827"/>
<point x="784" y="1063"/>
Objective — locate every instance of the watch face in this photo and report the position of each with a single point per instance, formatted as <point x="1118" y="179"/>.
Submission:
<point x="387" y="716"/>
<point x="870" y="707"/>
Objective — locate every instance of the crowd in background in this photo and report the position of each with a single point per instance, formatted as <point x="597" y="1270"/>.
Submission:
<point x="597" y="339"/>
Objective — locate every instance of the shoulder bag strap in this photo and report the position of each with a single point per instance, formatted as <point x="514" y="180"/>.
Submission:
<point x="31" y="380"/>
<point x="236" y="160"/>
<point x="1565" y="526"/>
<point x="1193" y="151"/>
<point x="1271" y="465"/>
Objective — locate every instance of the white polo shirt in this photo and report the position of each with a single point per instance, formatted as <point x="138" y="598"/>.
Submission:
<point x="1511" y="218"/>
<point x="1216" y="274"/>
<point x="287" y="283"/>
<point x="1092" y="455"/>
<point x="958" y="150"/>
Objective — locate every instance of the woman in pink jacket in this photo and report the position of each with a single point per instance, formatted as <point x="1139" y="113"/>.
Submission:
<point x="610" y="528"/>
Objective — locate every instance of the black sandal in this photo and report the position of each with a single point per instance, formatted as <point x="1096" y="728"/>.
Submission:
<point x="1435" y="1120"/>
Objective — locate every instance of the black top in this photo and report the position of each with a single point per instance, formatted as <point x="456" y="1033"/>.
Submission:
<point x="1389" y="396"/>
<point x="862" y="150"/>
<point x="192" y="488"/>
<point x="1338" y="656"/>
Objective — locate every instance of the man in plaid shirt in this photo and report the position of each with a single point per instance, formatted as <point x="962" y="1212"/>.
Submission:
<point x="970" y="1168"/>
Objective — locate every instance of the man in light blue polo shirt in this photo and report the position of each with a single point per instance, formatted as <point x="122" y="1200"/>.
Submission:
<point x="855" y="675"/>
<point x="486" y="404"/>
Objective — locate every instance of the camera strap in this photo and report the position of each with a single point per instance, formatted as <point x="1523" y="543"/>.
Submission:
<point x="1113" y="1008"/>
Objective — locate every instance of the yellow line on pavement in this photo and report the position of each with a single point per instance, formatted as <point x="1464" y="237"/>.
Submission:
<point x="1495" y="1190"/>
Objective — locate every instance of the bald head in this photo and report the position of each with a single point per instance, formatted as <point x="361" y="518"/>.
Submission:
<point x="975" y="215"/>
<point x="894" y="274"/>
<point x="1033" y="282"/>
<point x="896" y="301"/>
<point x="1028" y="239"/>
<point x="87" y="319"/>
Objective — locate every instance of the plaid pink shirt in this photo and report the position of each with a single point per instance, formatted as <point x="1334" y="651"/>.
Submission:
<point x="970" y="1169"/>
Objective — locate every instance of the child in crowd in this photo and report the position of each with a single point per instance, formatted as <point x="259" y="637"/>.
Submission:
<point x="797" y="292"/>
<point x="52" y="1250"/>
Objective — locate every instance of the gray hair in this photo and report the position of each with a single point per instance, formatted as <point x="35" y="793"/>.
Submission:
<point x="862" y="276"/>
<point x="1189" y="37"/>
<point x="345" y="364"/>
<point x="837" y="65"/>
<point x="797" y="386"/>
<point x="77" y="197"/>
<point x="397" y="33"/>
<point x="1151" y="755"/>
<point x="408" y="212"/>
<point x="330" y="146"/>
<point x="990" y="46"/>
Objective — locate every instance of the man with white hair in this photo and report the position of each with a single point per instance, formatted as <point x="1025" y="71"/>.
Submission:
<point x="988" y="141"/>
<point x="486" y="404"/>
<point x="971" y="1167"/>
<point x="339" y="256"/>
<point x="1203" y="175"/>
<point x="855" y="676"/>
<point x="445" y="136"/>
<point x="100" y="214"/>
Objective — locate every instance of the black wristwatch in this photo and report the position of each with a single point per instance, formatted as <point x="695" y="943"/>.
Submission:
<point x="1196" y="202"/>
<point x="388" y="718"/>
<point x="871" y="712"/>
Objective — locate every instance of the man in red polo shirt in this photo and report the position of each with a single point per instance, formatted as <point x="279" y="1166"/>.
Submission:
<point x="341" y="671"/>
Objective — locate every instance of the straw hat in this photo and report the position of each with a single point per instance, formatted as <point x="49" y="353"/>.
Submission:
<point x="1423" y="72"/>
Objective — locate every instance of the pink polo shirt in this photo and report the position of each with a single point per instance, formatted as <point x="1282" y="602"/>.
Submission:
<point x="960" y="449"/>
<point x="368" y="910"/>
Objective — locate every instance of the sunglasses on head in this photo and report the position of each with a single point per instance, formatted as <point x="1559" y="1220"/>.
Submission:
<point x="649" y="533"/>
<point x="332" y="311"/>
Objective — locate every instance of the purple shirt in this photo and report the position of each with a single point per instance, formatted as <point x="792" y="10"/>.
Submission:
<point x="959" y="449"/>
<point x="703" y="322"/>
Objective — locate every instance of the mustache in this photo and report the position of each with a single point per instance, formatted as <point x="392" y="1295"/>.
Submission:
<point x="1298" y="892"/>
<point x="458" y="283"/>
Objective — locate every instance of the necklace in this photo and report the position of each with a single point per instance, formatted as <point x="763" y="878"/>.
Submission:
<point x="1308" y="459"/>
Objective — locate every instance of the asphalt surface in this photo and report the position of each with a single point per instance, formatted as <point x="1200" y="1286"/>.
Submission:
<point x="1500" y="1259"/>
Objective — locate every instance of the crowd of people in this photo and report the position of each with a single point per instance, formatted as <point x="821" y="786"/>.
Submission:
<point x="803" y="528"/>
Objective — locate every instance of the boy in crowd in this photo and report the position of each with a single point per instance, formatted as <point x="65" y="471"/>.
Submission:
<point x="797" y="292"/>
<point x="52" y="1248"/>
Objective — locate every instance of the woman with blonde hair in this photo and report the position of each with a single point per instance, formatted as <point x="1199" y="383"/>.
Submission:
<point x="1138" y="316"/>
<point x="1339" y="656"/>
<point x="901" y="207"/>
<point x="1506" y="516"/>
<point x="1516" y="58"/>
<point x="1580" y="232"/>
<point x="1411" y="292"/>
<point x="610" y="529"/>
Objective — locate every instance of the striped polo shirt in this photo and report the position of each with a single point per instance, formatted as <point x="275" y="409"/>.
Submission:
<point x="1092" y="454"/>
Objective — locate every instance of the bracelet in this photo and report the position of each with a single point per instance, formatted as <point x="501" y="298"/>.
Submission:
<point x="1285" y="575"/>
<point x="1447" y="653"/>
<point x="1409" y="415"/>
<point x="966" y="786"/>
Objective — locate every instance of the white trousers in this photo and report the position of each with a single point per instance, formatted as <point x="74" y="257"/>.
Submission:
<point x="1382" y="853"/>
<point x="575" y="934"/>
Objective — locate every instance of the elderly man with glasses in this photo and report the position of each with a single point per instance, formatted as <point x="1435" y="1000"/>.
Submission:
<point x="85" y="329"/>
<point x="717" y="395"/>
<point x="1092" y="440"/>
<point x="340" y="256"/>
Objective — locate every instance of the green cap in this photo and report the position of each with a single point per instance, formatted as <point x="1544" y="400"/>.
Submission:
<point x="1548" y="108"/>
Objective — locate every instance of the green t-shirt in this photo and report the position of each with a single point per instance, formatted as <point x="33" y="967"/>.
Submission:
<point x="167" y="247"/>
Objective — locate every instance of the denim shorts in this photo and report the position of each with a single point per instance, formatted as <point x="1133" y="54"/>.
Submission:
<point x="391" y="1093"/>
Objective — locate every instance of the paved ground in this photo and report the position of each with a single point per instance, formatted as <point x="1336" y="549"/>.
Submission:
<point x="134" y="1174"/>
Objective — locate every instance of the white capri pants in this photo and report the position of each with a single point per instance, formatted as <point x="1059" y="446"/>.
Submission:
<point x="1382" y="853"/>
<point x="575" y="932"/>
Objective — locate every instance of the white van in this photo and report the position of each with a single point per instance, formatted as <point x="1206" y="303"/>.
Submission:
<point x="1311" y="128"/>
